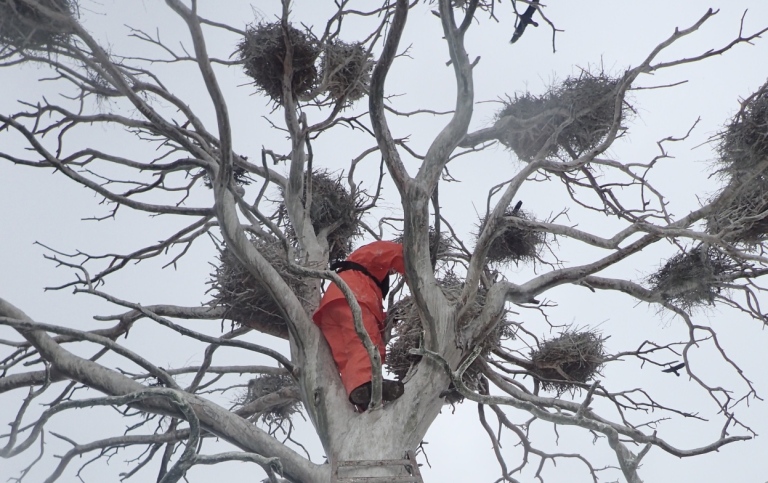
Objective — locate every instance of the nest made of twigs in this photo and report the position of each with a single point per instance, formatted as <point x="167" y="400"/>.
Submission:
<point x="403" y="316"/>
<point x="578" y="112"/>
<point x="263" y="51"/>
<point x="691" y="278"/>
<point x="514" y="244"/>
<point x="744" y="217"/>
<point x="332" y="206"/>
<point x="263" y="385"/>
<point x="572" y="357"/>
<point x="247" y="300"/>
<point x="24" y="26"/>
<point x="445" y="244"/>
<point x="346" y="69"/>
<point x="744" y="143"/>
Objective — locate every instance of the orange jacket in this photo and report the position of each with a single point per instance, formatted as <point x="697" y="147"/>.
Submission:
<point x="378" y="258"/>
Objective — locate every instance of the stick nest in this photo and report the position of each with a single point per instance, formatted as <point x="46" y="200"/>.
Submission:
<point x="514" y="244"/>
<point x="247" y="300"/>
<point x="25" y="27"/>
<point x="445" y="245"/>
<point x="408" y="334"/>
<point x="742" y="147"/>
<point x="744" y="143"/>
<point x="572" y="357"/>
<point x="576" y="114"/>
<point x="263" y="385"/>
<point x="263" y="51"/>
<point x="347" y="70"/>
<point x="692" y="278"/>
<point x="333" y="207"/>
<point x="743" y="218"/>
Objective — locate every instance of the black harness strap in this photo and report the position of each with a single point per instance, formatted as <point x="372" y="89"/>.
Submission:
<point x="343" y="266"/>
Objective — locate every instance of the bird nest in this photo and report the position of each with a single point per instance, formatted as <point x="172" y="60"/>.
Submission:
<point x="25" y="26"/>
<point x="408" y="334"/>
<point x="346" y="70"/>
<point x="247" y="301"/>
<point x="263" y="51"/>
<point x="692" y="278"/>
<point x="264" y="385"/>
<point x="570" y="119"/>
<point x="333" y="207"/>
<point x="444" y="243"/>
<point x="574" y="357"/>
<point x="744" y="142"/>
<point x="743" y="218"/>
<point x="514" y="244"/>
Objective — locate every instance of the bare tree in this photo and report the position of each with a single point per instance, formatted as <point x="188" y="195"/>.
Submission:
<point x="452" y="330"/>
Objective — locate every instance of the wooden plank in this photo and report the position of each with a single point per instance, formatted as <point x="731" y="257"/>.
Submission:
<point x="409" y="462"/>
<point x="365" y="463"/>
<point x="379" y="479"/>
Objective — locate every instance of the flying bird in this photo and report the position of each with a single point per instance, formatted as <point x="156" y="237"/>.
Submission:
<point x="525" y="19"/>
<point x="674" y="369"/>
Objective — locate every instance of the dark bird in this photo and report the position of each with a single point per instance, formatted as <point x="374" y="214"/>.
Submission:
<point x="674" y="369"/>
<point x="525" y="19"/>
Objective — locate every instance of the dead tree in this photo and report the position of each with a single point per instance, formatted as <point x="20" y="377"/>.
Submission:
<point x="456" y="333"/>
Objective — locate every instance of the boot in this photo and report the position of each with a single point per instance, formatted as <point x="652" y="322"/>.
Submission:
<point x="390" y="390"/>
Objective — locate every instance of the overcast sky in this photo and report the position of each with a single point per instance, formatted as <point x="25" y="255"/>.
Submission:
<point x="38" y="206"/>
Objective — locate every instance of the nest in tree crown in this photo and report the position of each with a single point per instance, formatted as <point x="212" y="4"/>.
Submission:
<point x="513" y="244"/>
<point x="579" y="113"/>
<point x="333" y="207"/>
<point x="444" y="243"/>
<point x="742" y="147"/>
<point x="408" y="334"/>
<point x="26" y="27"/>
<point x="263" y="52"/>
<point x="744" y="143"/>
<point x="692" y="279"/>
<point x="263" y="385"/>
<point x="743" y="218"/>
<point x="247" y="300"/>
<point x="572" y="357"/>
<point x="347" y="70"/>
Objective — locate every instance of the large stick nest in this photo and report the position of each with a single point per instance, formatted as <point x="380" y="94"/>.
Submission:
<point x="247" y="300"/>
<point x="743" y="218"/>
<point x="742" y="148"/>
<point x="577" y="114"/>
<point x="514" y="244"/>
<point x="264" y="385"/>
<point x="332" y="206"/>
<point x="263" y="51"/>
<point x="744" y="143"/>
<point x="573" y="357"/>
<point x="408" y="333"/>
<point x="26" y="27"/>
<point x="692" y="278"/>
<point x="347" y="70"/>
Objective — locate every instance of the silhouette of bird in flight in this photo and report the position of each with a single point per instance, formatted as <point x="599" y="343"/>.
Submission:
<point x="674" y="369"/>
<point x="525" y="19"/>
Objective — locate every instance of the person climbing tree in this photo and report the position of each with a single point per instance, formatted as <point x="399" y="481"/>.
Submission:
<point x="366" y="271"/>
